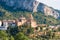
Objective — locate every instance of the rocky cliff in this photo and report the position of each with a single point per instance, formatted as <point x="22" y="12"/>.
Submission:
<point x="28" y="5"/>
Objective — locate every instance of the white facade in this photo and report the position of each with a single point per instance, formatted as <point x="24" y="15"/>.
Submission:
<point x="0" y="23"/>
<point x="4" y="26"/>
<point x="52" y="26"/>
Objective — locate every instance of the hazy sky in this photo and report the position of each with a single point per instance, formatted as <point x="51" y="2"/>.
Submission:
<point x="52" y="3"/>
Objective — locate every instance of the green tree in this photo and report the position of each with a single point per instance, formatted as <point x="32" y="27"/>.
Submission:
<point x="21" y="36"/>
<point x="12" y="30"/>
<point x="30" y="31"/>
<point x="3" y="35"/>
<point x="11" y="38"/>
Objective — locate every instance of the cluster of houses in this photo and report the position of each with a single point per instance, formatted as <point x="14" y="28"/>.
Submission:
<point x="43" y="29"/>
<point x="4" y="24"/>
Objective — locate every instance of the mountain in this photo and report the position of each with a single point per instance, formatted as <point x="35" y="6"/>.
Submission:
<point x="58" y="11"/>
<point x="29" y="5"/>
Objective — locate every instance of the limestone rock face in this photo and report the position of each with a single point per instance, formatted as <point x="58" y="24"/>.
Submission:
<point x="52" y="12"/>
<point x="29" y="5"/>
<point x="47" y="10"/>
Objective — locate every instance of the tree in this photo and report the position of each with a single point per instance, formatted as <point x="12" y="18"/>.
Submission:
<point x="11" y="38"/>
<point x="21" y="36"/>
<point x="12" y="30"/>
<point x="30" y="31"/>
<point x="3" y="35"/>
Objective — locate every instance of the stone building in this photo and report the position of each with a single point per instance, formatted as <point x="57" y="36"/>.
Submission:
<point x="12" y="23"/>
<point x="29" y="21"/>
<point x="33" y="22"/>
<point x="3" y="25"/>
<point x="21" y="21"/>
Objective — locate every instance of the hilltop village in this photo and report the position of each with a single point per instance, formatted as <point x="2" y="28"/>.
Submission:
<point x="4" y="24"/>
<point x="22" y="20"/>
<point x="39" y="29"/>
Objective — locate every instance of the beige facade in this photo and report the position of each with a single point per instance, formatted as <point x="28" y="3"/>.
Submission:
<point x="33" y="22"/>
<point x="21" y="21"/>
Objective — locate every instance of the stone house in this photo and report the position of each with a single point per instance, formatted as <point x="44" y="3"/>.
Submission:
<point x="40" y="27"/>
<point x="33" y="22"/>
<point x="52" y="26"/>
<point x="12" y="23"/>
<point x="21" y="21"/>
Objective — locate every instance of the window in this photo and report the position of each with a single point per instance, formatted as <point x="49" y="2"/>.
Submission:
<point x="20" y="20"/>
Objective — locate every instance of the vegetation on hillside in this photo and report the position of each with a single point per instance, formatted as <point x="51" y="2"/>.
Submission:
<point x="39" y="17"/>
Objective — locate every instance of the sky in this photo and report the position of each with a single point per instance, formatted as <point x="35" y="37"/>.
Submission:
<point x="52" y="3"/>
